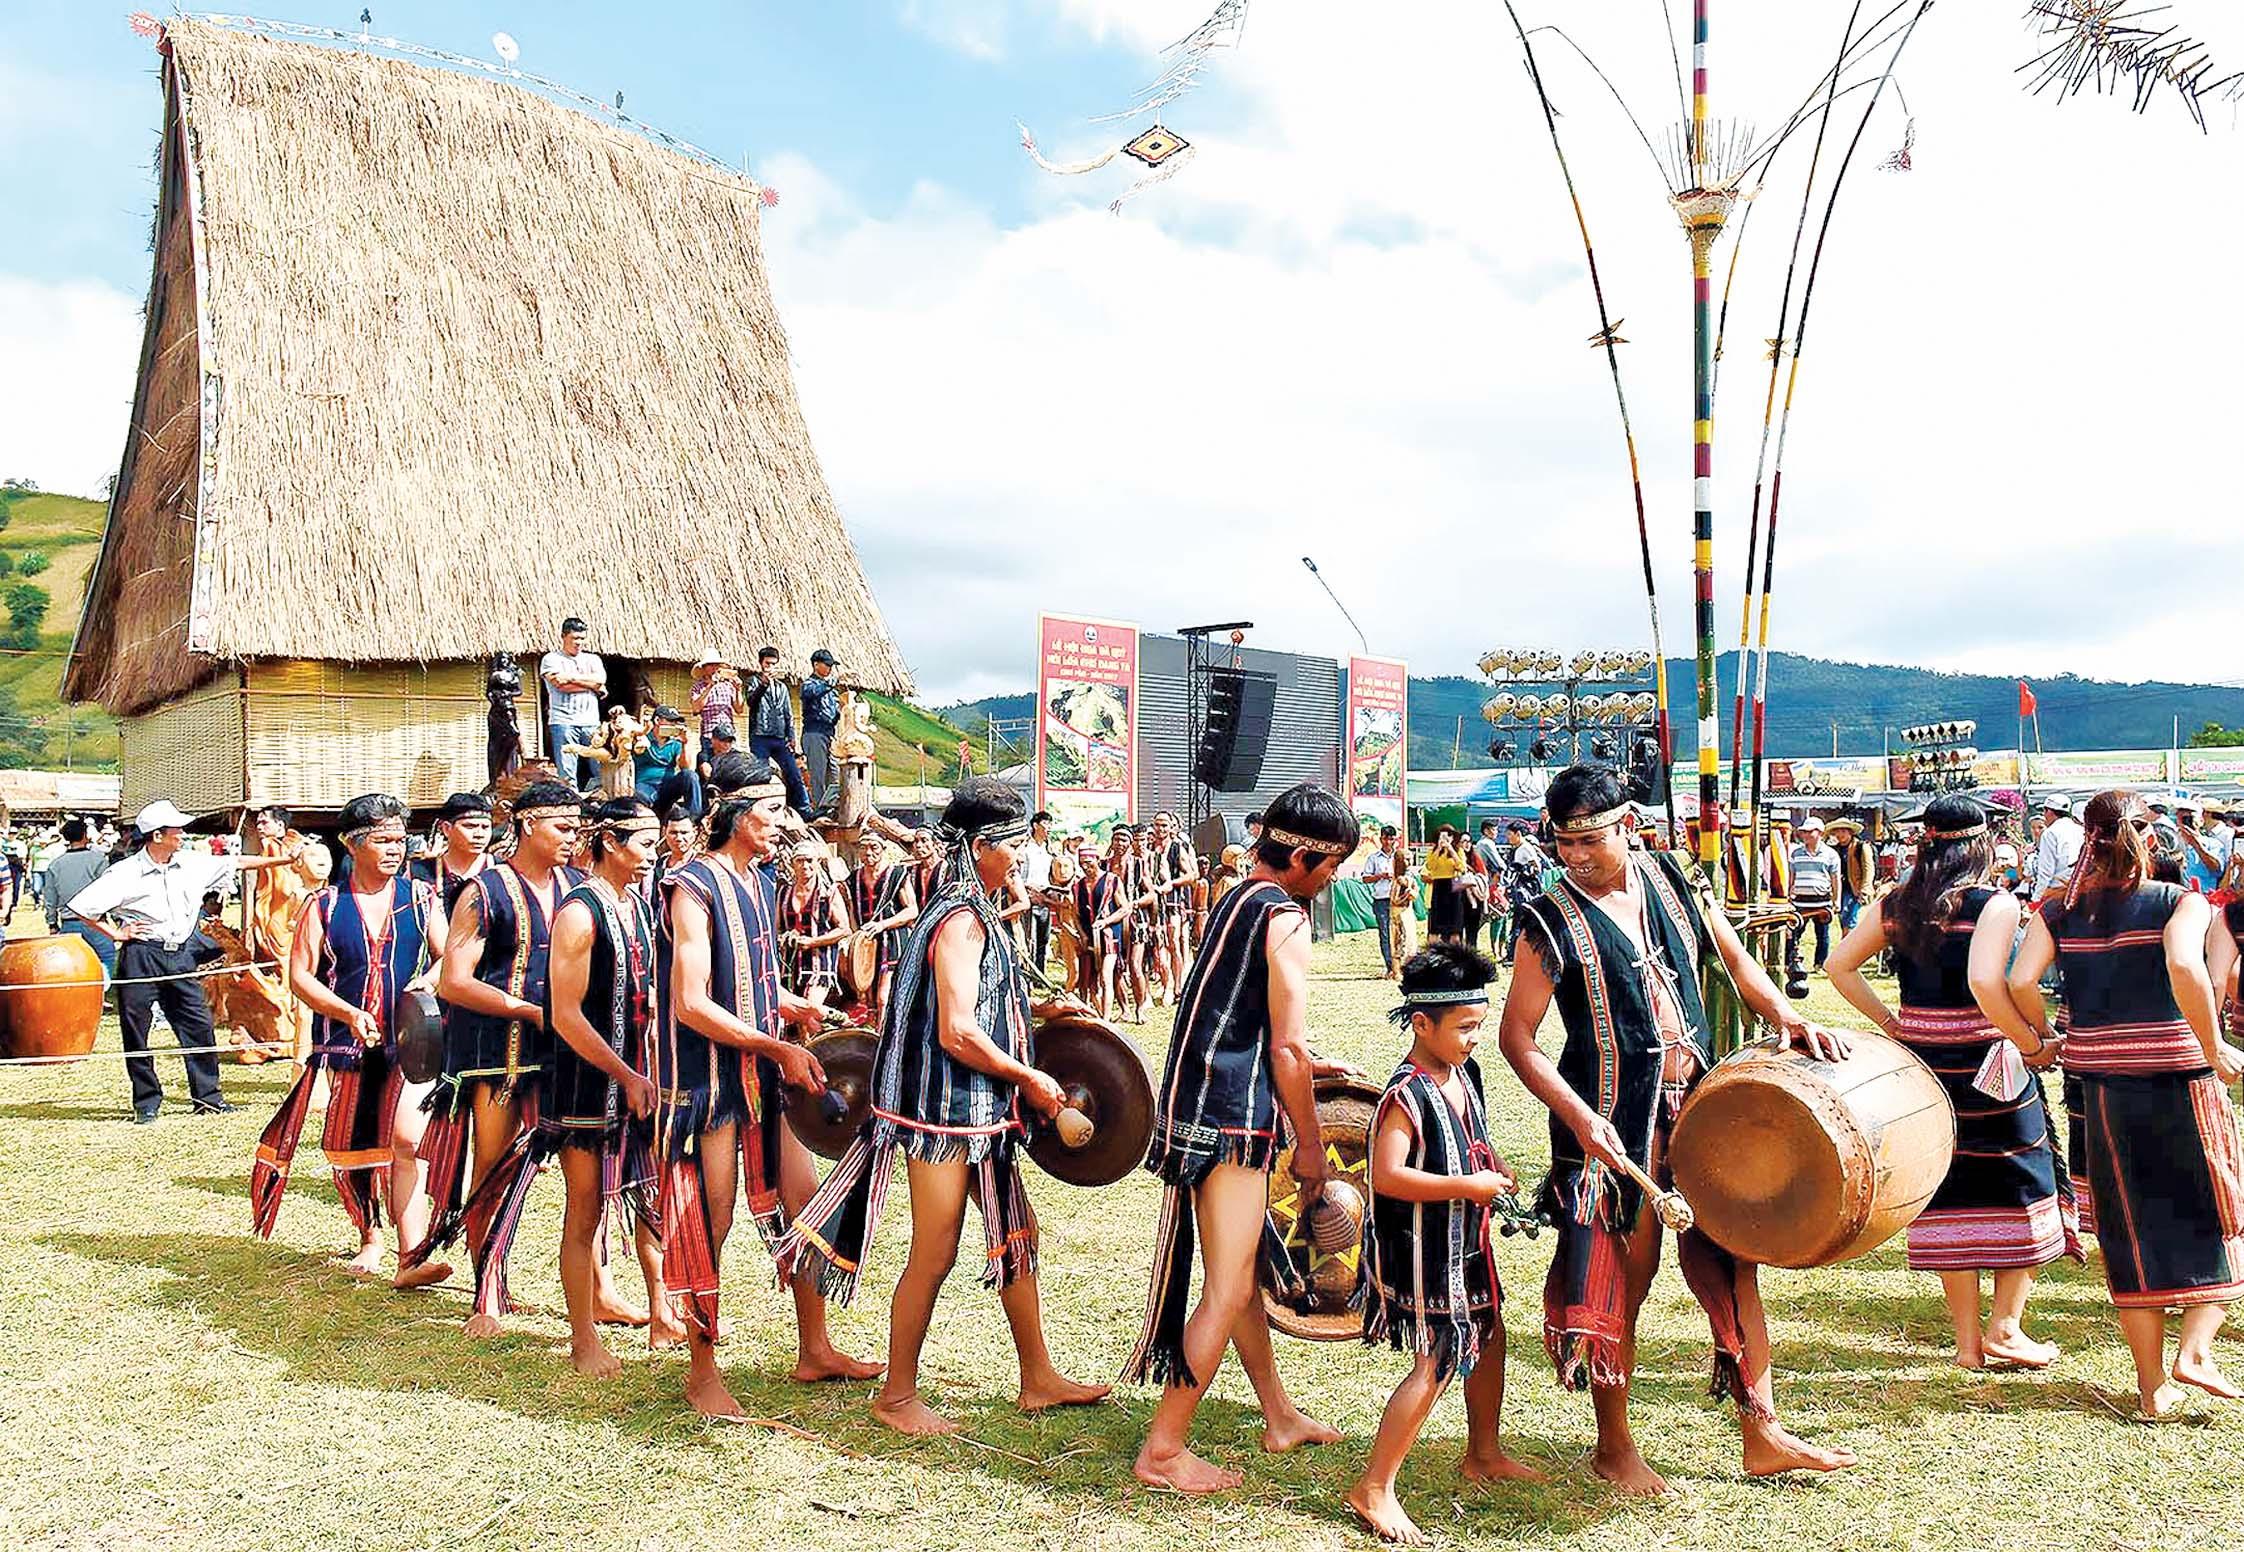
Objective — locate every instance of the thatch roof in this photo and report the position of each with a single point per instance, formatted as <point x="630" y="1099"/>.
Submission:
<point x="432" y="361"/>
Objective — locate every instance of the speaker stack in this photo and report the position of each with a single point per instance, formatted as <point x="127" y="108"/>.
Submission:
<point x="1236" y="735"/>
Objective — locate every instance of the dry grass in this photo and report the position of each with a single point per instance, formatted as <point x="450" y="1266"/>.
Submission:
<point x="166" y="1380"/>
<point x="465" y="359"/>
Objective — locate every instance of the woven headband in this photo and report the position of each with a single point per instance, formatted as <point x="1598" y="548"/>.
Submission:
<point x="997" y="832"/>
<point x="1965" y="834"/>
<point x="353" y="837"/>
<point x="754" y="794"/>
<point x="1306" y="843"/>
<point x="1582" y="824"/>
<point x="529" y="816"/>
<point x="1435" y="999"/>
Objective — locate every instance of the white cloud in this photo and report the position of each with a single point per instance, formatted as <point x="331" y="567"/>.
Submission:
<point x="67" y="355"/>
<point x="976" y="28"/>
<point x="1355" y="328"/>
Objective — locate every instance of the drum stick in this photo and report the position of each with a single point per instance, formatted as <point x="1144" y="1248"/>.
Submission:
<point x="1073" y="1126"/>
<point x="1674" y="1211"/>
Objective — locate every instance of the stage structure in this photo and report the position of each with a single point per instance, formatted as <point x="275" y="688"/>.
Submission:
<point x="1300" y="740"/>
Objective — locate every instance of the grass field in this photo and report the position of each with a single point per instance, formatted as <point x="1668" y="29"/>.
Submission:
<point x="168" y="1381"/>
<point x="67" y="529"/>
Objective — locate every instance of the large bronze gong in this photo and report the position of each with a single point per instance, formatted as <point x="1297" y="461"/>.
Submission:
<point x="827" y="1128"/>
<point x="420" y="1035"/>
<point x="1106" y="1080"/>
<point x="1345" y="1107"/>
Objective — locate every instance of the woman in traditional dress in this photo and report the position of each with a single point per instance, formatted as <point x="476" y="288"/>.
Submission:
<point x="2006" y="1207"/>
<point x="2139" y="1033"/>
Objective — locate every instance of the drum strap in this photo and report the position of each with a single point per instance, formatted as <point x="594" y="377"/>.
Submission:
<point x="518" y="972"/>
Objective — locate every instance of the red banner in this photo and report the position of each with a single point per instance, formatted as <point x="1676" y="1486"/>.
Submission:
<point x="1378" y="728"/>
<point x="1086" y="723"/>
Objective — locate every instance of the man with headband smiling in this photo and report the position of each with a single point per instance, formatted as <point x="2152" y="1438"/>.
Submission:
<point x="1240" y="1053"/>
<point x="495" y="1038"/>
<point x="1619" y="944"/>
<point x="356" y="946"/>
<point x="949" y="1077"/>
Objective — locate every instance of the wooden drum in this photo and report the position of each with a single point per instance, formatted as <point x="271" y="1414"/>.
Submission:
<point x="51" y="991"/>
<point x="1794" y="1162"/>
<point x="1345" y="1108"/>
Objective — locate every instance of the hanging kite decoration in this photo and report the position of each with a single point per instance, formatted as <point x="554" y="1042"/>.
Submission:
<point x="1160" y="150"/>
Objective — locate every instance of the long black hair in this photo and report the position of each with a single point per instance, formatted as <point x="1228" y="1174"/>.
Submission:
<point x="1953" y="854"/>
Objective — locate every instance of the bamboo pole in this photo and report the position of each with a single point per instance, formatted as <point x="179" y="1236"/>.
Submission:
<point x="1663" y="726"/>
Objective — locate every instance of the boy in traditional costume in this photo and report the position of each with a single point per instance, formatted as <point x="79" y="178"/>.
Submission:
<point x="355" y="947"/>
<point x="723" y="1054"/>
<point x="492" y="983"/>
<point x="949" y="1077"/>
<point x="1239" y="1055"/>
<point x="600" y="1007"/>
<point x="1429" y="1266"/>
<point x="1619" y="944"/>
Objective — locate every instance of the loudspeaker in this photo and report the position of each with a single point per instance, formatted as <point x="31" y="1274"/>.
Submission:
<point x="1237" y="734"/>
<point x="1216" y="832"/>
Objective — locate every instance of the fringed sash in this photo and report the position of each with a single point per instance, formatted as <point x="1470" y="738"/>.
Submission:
<point x="935" y="1110"/>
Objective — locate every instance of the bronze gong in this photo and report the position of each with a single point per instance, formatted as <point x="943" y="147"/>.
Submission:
<point x="419" y="1028"/>
<point x="1105" y="1078"/>
<point x="1345" y="1107"/>
<point x="828" y="1127"/>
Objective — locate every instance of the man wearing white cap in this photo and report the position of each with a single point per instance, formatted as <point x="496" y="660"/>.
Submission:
<point x="1815" y="891"/>
<point x="151" y="903"/>
<point x="2057" y="850"/>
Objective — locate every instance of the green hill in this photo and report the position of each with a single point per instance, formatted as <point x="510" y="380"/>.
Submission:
<point x="64" y="533"/>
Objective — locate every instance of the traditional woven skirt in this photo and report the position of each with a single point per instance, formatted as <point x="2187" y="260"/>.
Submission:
<point x="2005" y="1202"/>
<point x="2168" y="1177"/>
<point x="2077" y="1151"/>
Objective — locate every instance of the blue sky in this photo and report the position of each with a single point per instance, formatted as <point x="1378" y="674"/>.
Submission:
<point x="1355" y="326"/>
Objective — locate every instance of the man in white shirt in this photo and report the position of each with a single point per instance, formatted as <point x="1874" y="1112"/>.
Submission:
<point x="1378" y="874"/>
<point x="2058" y="849"/>
<point x="573" y="679"/>
<point x="1036" y="878"/>
<point x="151" y="903"/>
<point x="2204" y="850"/>
<point x="1815" y="892"/>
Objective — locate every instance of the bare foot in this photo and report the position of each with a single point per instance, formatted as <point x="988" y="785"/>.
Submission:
<point x="912" y="1416"/>
<point x="1630" y="1473"/>
<point x="1054" y="1391"/>
<point x="595" y="1362"/>
<point x="427" y="1275"/>
<point x="814" y="1368"/>
<point x="482" y="1327"/>
<point x="1769" y="1453"/>
<point x="2162" y="1405"/>
<point x="367" y="1263"/>
<point x="1382" y="1514"/>
<point x="1282" y="1434"/>
<point x="1496" y="1466"/>
<point x="1183" y="1471"/>
<point x="2018" y="1350"/>
<point x="2203" y="1374"/>
<point x="710" y="1398"/>
<point x="666" y="1331"/>
<point x="614" y="1312"/>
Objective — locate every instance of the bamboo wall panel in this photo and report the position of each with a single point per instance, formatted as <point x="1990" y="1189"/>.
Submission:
<point x="319" y="734"/>
<point x="189" y="750"/>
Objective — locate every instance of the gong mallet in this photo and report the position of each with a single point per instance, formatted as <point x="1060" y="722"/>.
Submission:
<point x="1673" y="1210"/>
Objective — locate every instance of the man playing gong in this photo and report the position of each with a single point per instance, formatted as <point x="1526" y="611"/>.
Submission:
<point x="1240" y="1053"/>
<point x="950" y="1077"/>
<point x="1619" y="943"/>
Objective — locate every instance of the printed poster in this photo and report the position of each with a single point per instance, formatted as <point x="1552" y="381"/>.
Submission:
<point x="1378" y="744"/>
<point x="1086" y="725"/>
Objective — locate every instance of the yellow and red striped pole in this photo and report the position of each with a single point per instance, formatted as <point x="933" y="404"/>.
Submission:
<point x="1702" y="219"/>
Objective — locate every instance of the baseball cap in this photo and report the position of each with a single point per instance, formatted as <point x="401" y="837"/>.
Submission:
<point x="825" y="657"/>
<point x="160" y="815"/>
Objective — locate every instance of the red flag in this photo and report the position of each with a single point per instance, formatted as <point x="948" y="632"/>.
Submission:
<point x="2026" y="702"/>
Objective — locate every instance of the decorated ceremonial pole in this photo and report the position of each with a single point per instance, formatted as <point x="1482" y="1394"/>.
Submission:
<point x="1760" y="469"/>
<point x="1784" y="423"/>
<point x="1703" y="212"/>
<point x="1608" y="336"/>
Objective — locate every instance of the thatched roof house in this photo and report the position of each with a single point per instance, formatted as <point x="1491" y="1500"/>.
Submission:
<point x="431" y="361"/>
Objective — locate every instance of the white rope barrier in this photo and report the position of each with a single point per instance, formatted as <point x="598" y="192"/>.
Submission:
<point x="270" y="1048"/>
<point x="199" y="973"/>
